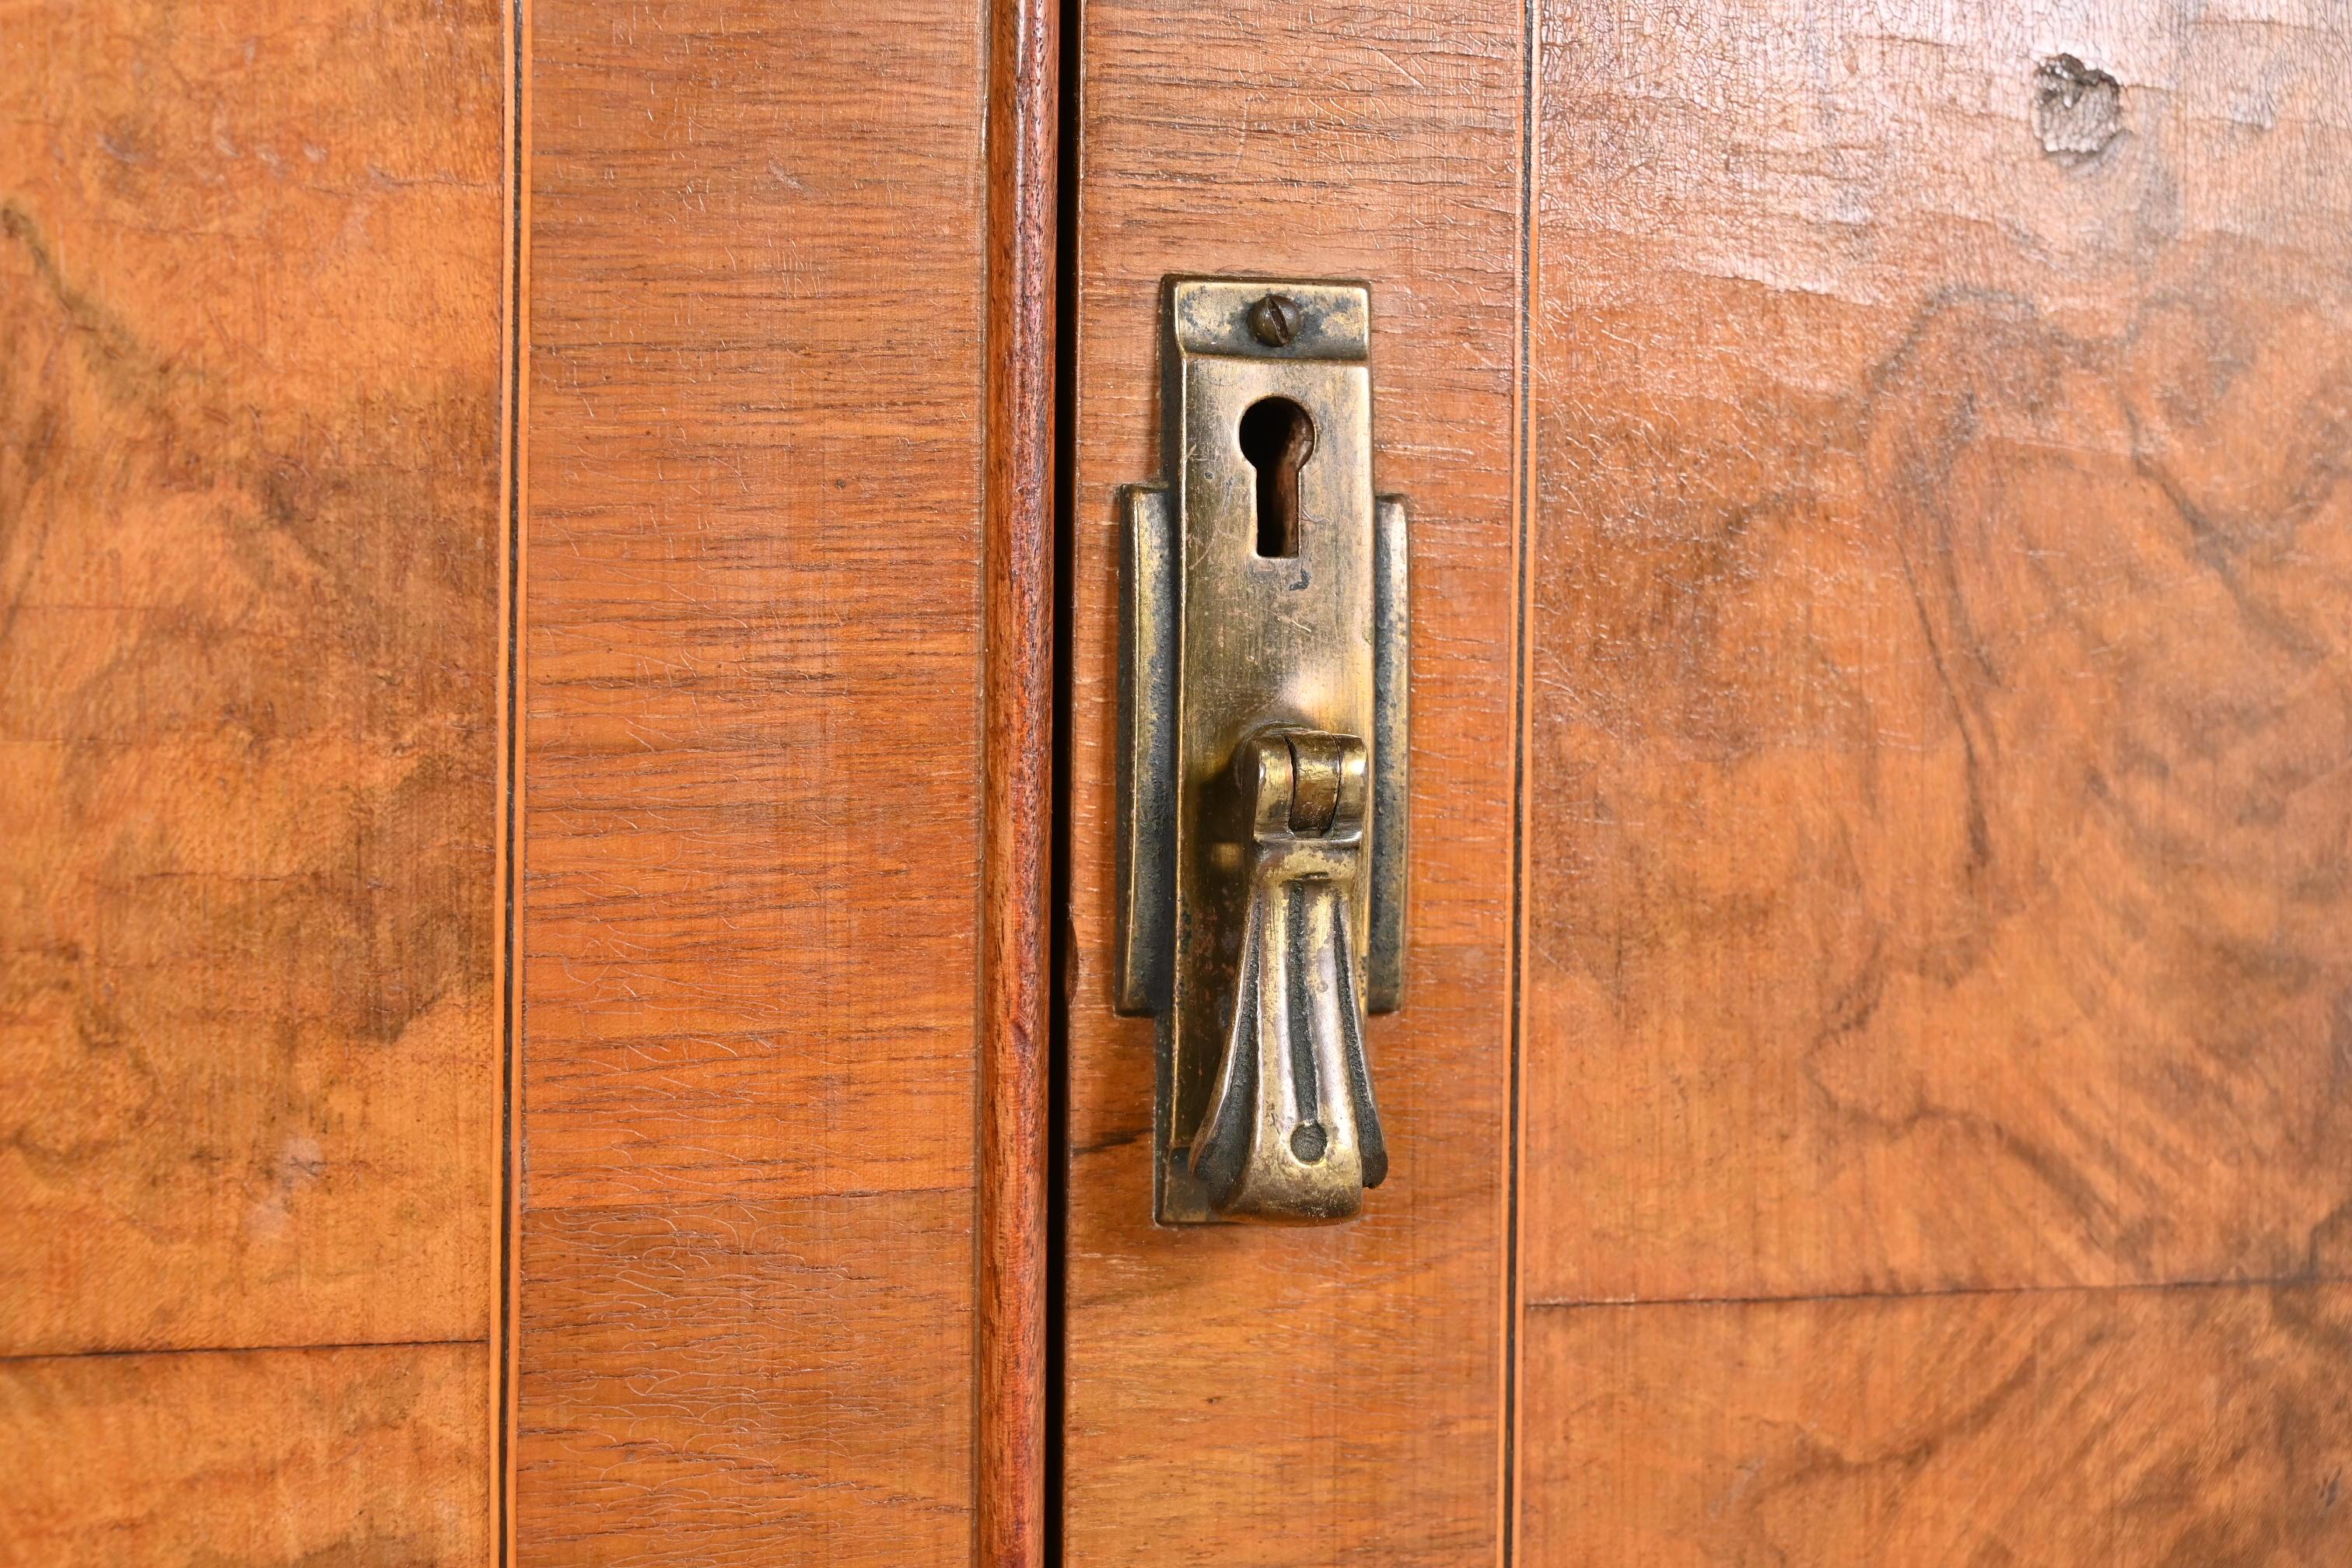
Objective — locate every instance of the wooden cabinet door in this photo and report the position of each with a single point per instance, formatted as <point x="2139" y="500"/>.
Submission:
<point x="1264" y="1395"/>
<point x="526" y="722"/>
<point x="784" y="706"/>
<point x="1871" y="1089"/>
<point x="560" y="593"/>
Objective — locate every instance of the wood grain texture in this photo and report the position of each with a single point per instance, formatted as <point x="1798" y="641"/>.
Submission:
<point x="1939" y="893"/>
<point x="1940" y="870"/>
<point x="364" y="1457"/>
<point x="1272" y="1395"/>
<point x="250" y="315"/>
<point x="248" y="427"/>
<point x="753" y="710"/>
<point x="2206" y="1426"/>
<point x="1016" y="1040"/>
<point x="749" y="1383"/>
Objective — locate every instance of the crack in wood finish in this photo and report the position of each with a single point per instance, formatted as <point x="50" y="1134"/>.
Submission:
<point x="249" y="268"/>
<point x="1260" y="1395"/>
<point x="751" y="784"/>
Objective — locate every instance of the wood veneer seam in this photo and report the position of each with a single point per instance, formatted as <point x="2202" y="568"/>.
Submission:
<point x="506" y="1348"/>
<point x="741" y="1200"/>
<point x="158" y="1352"/>
<point x="2284" y="1283"/>
<point x="1522" y="577"/>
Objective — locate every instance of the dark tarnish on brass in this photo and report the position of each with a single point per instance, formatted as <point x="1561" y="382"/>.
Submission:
<point x="1263" y="747"/>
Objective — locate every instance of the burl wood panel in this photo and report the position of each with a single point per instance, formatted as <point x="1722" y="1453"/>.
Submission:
<point x="751" y="784"/>
<point x="364" y="1457"/>
<point x="2094" y="1427"/>
<point x="249" y="264"/>
<point x="250" y="285"/>
<point x="1938" y="856"/>
<point x="1939" y="843"/>
<point x="250" y="272"/>
<point x="1275" y="1395"/>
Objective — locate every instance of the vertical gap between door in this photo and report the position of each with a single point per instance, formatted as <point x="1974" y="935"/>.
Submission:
<point x="1066" y="432"/>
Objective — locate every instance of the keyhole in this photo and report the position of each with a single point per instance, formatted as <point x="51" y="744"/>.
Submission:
<point x="1277" y="438"/>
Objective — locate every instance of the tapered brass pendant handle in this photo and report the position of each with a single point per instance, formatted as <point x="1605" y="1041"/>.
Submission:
<point x="1263" y="806"/>
<point x="1291" y="1132"/>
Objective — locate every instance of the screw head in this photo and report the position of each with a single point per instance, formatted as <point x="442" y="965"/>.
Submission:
<point x="1273" y="321"/>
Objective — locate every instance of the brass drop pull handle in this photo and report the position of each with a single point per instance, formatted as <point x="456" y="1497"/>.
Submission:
<point x="1291" y="1132"/>
<point x="1263" y="833"/>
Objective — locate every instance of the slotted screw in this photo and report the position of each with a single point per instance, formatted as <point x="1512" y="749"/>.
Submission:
<point x="1273" y="321"/>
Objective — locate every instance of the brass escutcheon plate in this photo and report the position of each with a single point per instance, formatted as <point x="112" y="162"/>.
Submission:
<point x="1266" y="590"/>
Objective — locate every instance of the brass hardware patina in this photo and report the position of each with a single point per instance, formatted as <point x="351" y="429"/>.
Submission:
<point x="1262" y="842"/>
